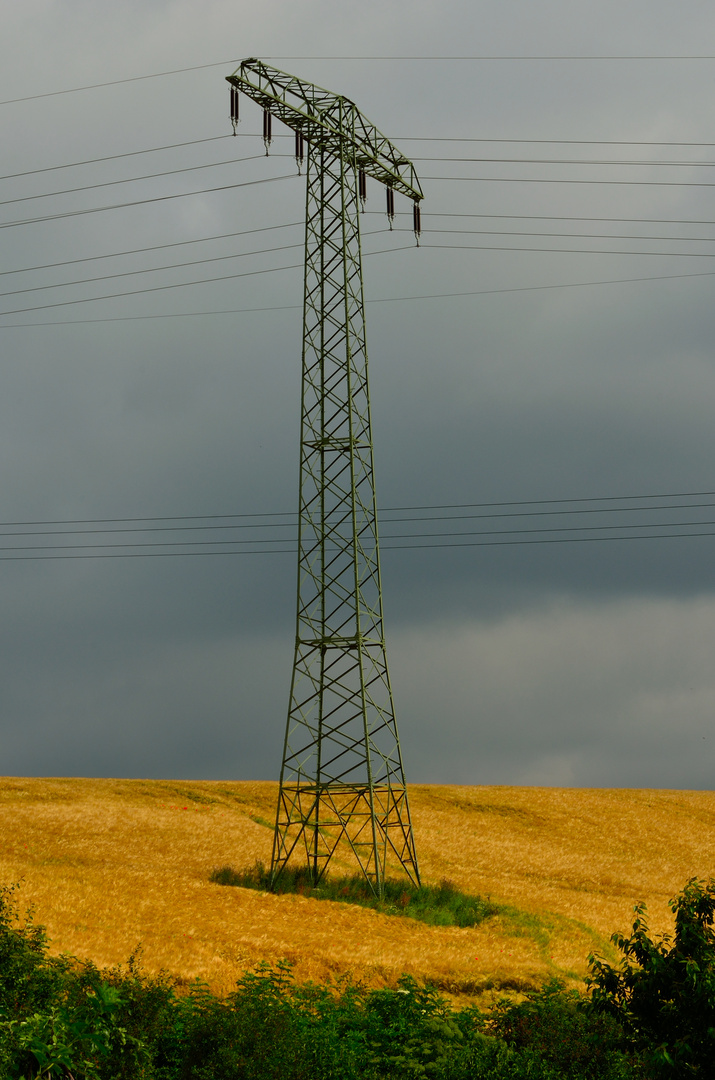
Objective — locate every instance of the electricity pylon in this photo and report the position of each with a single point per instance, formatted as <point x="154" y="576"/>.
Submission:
<point x="342" y="778"/>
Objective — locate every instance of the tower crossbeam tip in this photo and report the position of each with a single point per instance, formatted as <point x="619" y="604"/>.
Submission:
<point x="327" y="121"/>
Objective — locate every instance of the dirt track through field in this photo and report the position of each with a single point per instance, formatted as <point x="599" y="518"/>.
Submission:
<point x="113" y="864"/>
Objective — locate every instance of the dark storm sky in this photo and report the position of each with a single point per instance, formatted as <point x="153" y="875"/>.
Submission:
<point x="565" y="354"/>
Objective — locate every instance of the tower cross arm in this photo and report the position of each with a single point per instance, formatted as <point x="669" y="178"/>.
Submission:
<point x="328" y="121"/>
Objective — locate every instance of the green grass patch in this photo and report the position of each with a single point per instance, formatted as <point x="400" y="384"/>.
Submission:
<point x="437" y="905"/>
<point x="261" y="821"/>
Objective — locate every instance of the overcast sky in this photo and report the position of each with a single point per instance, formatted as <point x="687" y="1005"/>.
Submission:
<point x="562" y="362"/>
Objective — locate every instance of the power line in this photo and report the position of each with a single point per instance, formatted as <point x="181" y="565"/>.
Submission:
<point x="554" y="142"/>
<point x="143" y="202"/>
<point x="449" y="59"/>
<point x="375" y="300"/>
<point x="429" y="231"/>
<point x="289" y="247"/>
<point x="482" y="160"/>
<point x="114" y="157"/>
<point x="568" y="161"/>
<point x="590" y="499"/>
<point x="500" y="179"/>
<point x="153" y="288"/>
<point x="386" y="547"/>
<point x="559" y="217"/>
<point x="156" y="247"/>
<point x="426" y="229"/>
<point x="552" y="180"/>
<point x="568" y="251"/>
<point x="151" y="270"/>
<point x="540" y="288"/>
<point x="388" y="536"/>
<point x="418" y="59"/>
<point x="175" y="285"/>
<point x="133" y="179"/>
<point x="289" y="176"/>
<point x="522" y="161"/>
<point x="117" y="82"/>
<point x="285" y="247"/>
<point x="405" y="138"/>
<point x="432" y="518"/>
<point x="168" y="266"/>
<point x="168" y="315"/>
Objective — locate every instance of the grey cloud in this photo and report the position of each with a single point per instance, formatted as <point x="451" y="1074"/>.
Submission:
<point x="181" y="666"/>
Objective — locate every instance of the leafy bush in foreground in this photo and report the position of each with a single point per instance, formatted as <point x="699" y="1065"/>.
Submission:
<point x="554" y="1023"/>
<point x="652" y="1017"/>
<point x="663" y="993"/>
<point x="438" y="905"/>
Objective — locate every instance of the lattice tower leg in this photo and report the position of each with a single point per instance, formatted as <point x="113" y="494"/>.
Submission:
<point x="342" y="785"/>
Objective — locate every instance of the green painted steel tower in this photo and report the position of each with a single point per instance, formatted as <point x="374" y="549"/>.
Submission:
<point x="342" y="780"/>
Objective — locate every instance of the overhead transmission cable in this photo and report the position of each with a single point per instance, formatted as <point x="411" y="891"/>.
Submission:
<point x="412" y="507"/>
<point x="179" y="284"/>
<point x="143" y="202"/>
<point x="374" y="300"/>
<point x="131" y="179"/>
<point x="473" y="179"/>
<point x="414" y="138"/>
<point x="226" y="187"/>
<point x="385" y="251"/>
<point x="113" y="157"/>
<point x="265" y="542"/>
<point x="413" y="59"/>
<point x="152" y="270"/>
<point x="257" y="522"/>
<point x="265" y="550"/>
<point x="237" y="521"/>
<point x="471" y="160"/>
<point x="555" y="180"/>
<point x="426" y="243"/>
<point x="568" y="161"/>
<point x="168" y="266"/>
<point x="152" y="247"/>
<point x="426" y="229"/>
<point x="556" y="217"/>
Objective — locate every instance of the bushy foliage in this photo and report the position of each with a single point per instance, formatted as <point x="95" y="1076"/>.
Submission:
<point x="554" y="1023"/>
<point x="651" y="1017"/>
<point x="663" y="992"/>
<point x="437" y="905"/>
<point x="28" y="977"/>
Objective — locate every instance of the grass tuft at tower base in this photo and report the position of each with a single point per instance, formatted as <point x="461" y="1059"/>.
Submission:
<point x="437" y="905"/>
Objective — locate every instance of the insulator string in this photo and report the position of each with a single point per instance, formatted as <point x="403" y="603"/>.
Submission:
<point x="234" y="108"/>
<point x="390" y="204"/>
<point x="267" y="136"/>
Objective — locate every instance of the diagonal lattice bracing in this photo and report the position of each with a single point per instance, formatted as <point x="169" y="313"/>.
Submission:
<point x="342" y="789"/>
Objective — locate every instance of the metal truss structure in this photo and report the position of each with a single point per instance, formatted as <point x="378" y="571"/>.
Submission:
<point x="342" y="779"/>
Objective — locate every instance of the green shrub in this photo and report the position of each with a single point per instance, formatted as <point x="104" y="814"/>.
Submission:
<point x="663" y="992"/>
<point x="29" y="977"/>
<point x="66" y="1018"/>
<point x="553" y="1023"/>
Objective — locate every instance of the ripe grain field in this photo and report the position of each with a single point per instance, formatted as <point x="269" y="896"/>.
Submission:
<point x="110" y="865"/>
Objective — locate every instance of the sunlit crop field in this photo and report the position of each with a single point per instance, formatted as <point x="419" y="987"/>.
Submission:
<point x="112" y="866"/>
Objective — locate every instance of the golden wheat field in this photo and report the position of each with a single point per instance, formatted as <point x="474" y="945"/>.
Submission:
<point x="113" y="865"/>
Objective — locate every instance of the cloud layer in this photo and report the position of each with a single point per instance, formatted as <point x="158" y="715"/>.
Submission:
<point x="564" y="353"/>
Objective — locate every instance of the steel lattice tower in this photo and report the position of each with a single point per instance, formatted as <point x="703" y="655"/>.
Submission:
<point x="342" y="778"/>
